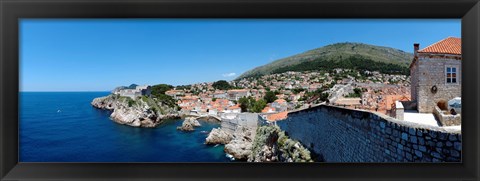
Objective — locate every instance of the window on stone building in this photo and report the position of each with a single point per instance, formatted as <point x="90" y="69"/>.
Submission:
<point x="451" y="75"/>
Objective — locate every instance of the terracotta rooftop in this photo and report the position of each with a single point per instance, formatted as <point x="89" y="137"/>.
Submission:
<point x="277" y="116"/>
<point x="450" y="45"/>
<point x="236" y="106"/>
<point x="266" y="109"/>
<point x="237" y="90"/>
<point x="280" y="101"/>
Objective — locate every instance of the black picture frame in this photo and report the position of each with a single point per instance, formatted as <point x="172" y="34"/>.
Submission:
<point x="12" y="10"/>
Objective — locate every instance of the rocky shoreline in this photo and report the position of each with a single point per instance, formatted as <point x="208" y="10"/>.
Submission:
<point x="141" y="112"/>
<point x="238" y="144"/>
<point x="263" y="144"/>
<point x="244" y="143"/>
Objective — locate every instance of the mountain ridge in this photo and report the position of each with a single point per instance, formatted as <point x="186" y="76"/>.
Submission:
<point x="336" y="52"/>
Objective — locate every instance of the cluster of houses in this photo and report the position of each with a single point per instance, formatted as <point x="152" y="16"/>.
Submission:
<point x="219" y="101"/>
<point x="435" y="78"/>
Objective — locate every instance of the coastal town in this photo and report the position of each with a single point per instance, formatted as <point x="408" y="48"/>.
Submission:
<point x="297" y="90"/>
<point x="425" y="100"/>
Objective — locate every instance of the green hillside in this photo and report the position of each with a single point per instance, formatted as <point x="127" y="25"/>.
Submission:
<point x="340" y="55"/>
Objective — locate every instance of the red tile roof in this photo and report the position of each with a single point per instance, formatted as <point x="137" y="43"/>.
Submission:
<point x="266" y="109"/>
<point x="236" y="106"/>
<point x="280" y="101"/>
<point x="277" y="116"/>
<point x="450" y="45"/>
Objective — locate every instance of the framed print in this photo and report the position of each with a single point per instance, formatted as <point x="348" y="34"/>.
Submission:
<point x="114" y="90"/>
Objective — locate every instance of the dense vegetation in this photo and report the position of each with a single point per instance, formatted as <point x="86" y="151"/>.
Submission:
<point x="132" y="86"/>
<point x="338" y="53"/>
<point x="286" y="149"/>
<point x="158" y="92"/>
<point x="353" y="62"/>
<point x="270" y="97"/>
<point x="249" y="104"/>
<point x="222" y="85"/>
<point x="160" y="89"/>
<point x="183" y="87"/>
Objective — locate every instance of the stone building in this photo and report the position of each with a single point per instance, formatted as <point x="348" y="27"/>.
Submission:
<point x="236" y="94"/>
<point x="133" y="93"/>
<point x="436" y="73"/>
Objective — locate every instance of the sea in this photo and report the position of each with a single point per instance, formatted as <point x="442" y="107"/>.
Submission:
<point x="64" y="127"/>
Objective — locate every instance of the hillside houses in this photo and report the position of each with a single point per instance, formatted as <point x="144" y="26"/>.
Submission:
<point x="176" y="94"/>
<point x="220" y="94"/>
<point x="236" y="94"/>
<point x="280" y="105"/>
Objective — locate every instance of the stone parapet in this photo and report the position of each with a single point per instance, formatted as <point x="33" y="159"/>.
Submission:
<point x="337" y="134"/>
<point x="447" y="119"/>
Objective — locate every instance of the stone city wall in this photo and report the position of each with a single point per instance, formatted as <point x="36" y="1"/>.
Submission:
<point x="337" y="134"/>
<point x="230" y="121"/>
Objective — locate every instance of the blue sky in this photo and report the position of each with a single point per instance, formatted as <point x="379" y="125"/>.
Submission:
<point x="98" y="55"/>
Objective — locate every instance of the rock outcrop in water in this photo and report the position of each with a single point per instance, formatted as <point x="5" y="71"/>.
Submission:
<point x="218" y="136"/>
<point x="272" y="145"/>
<point x="188" y="124"/>
<point x="141" y="112"/>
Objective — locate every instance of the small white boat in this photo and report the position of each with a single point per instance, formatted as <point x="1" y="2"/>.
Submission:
<point x="59" y="110"/>
<point x="229" y="156"/>
<point x="216" y="145"/>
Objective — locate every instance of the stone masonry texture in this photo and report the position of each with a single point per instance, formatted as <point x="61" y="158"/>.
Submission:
<point x="336" y="134"/>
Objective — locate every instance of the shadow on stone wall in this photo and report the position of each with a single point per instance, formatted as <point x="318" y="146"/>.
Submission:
<point x="336" y="134"/>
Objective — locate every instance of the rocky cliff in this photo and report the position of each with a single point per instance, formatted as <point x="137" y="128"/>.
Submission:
<point x="237" y="143"/>
<point x="218" y="136"/>
<point x="141" y="112"/>
<point x="272" y="145"/>
<point x="264" y="144"/>
<point x="240" y="147"/>
<point x="188" y="124"/>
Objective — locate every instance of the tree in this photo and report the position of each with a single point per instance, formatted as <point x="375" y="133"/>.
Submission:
<point x="184" y="87"/>
<point x="160" y="89"/>
<point x="222" y="85"/>
<point x="270" y="97"/>
<point x="244" y="104"/>
<point x="297" y="90"/>
<point x="324" y="97"/>
<point x="357" y="91"/>
<point x="259" y="105"/>
<point x="249" y="104"/>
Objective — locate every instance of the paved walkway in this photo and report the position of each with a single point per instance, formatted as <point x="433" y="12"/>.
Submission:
<point x="420" y="118"/>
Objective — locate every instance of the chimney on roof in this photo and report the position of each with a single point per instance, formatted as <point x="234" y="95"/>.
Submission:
<point x="415" y="49"/>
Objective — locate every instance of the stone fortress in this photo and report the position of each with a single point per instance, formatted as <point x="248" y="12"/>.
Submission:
<point x="337" y="134"/>
<point x="144" y="90"/>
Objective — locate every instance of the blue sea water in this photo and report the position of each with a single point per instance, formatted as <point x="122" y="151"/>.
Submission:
<point x="64" y="127"/>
